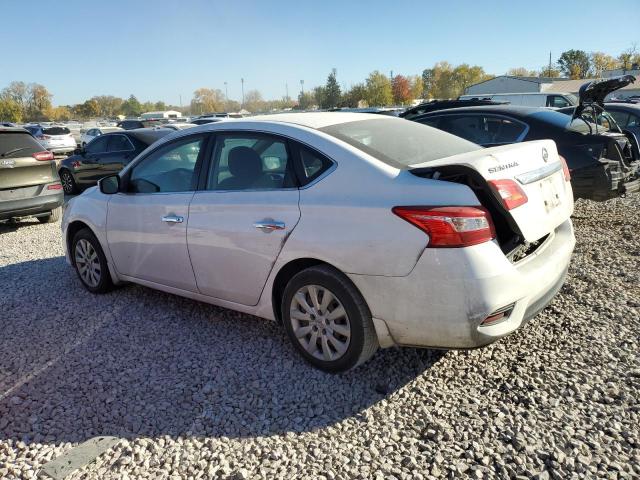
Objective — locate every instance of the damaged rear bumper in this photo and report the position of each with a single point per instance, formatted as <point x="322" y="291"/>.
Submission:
<point x="605" y="180"/>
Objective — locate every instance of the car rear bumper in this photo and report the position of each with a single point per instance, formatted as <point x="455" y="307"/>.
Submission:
<point x="604" y="181"/>
<point x="62" y="149"/>
<point x="42" y="202"/>
<point x="450" y="292"/>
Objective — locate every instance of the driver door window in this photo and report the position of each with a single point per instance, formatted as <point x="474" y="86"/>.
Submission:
<point x="172" y="168"/>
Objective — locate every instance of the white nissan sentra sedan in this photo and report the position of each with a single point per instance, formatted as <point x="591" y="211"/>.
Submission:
<point x="354" y="231"/>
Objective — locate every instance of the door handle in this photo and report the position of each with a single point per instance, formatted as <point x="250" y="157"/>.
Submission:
<point x="172" y="219"/>
<point x="268" y="226"/>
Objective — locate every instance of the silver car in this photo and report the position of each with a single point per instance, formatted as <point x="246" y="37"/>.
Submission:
<point x="354" y="231"/>
<point x="55" y="138"/>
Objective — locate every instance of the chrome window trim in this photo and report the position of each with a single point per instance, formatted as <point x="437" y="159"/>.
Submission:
<point x="539" y="173"/>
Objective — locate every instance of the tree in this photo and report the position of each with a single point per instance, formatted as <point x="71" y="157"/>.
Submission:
<point x="521" y="72"/>
<point x="38" y="105"/>
<point x="401" y="89"/>
<point x="575" y="64"/>
<point x="306" y="101"/>
<point x="253" y="101"/>
<point x="355" y="97"/>
<point x="379" y="91"/>
<point x="61" y="113"/>
<point x="331" y="97"/>
<point x="88" y="109"/>
<point x="446" y="81"/>
<point x="160" y="106"/>
<point x="629" y="57"/>
<point x="131" y="107"/>
<point x="601" y="61"/>
<point x="108" y="105"/>
<point x="416" y="86"/>
<point x="19" y="93"/>
<point x="10" y="110"/>
<point x="207" y="100"/>
<point x="552" y="72"/>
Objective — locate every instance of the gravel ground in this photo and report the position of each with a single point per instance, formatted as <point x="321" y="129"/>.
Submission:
<point x="196" y="391"/>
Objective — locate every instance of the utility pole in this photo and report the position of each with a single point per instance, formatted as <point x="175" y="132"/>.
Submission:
<point x="302" y="87"/>
<point x="180" y="102"/>
<point x="286" y="88"/>
<point x="226" y="95"/>
<point x="242" y="82"/>
<point x="391" y="76"/>
<point x="549" y="64"/>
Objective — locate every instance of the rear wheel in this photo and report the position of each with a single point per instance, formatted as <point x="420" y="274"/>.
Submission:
<point x="328" y="320"/>
<point x="52" y="217"/>
<point x="68" y="183"/>
<point x="90" y="262"/>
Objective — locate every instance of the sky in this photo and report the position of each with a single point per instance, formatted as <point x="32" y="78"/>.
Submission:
<point x="165" y="49"/>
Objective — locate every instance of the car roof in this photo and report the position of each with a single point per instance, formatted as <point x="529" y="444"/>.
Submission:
<point x="315" y="120"/>
<point x="504" y="109"/>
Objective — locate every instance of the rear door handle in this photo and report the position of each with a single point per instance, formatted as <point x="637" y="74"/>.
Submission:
<point x="172" y="219"/>
<point x="268" y="226"/>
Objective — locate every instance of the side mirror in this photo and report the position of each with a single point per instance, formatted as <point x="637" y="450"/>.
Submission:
<point x="109" y="185"/>
<point x="78" y="151"/>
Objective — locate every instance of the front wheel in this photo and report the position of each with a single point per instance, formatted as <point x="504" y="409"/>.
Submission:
<point x="328" y="320"/>
<point x="68" y="183"/>
<point x="90" y="262"/>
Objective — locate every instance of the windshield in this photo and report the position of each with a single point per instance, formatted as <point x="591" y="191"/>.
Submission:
<point x="400" y="143"/>
<point x="56" y="131"/>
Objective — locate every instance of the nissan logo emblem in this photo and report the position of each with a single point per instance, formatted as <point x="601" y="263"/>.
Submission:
<point x="545" y="155"/>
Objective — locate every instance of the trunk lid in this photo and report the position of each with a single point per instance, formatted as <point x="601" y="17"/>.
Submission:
<point x="17" y="166"/>
<point x="536" y="168"/>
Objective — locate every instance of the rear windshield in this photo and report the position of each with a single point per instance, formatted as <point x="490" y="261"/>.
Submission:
<point x="56" y="131"/>
<point x="400" y="143"/>
<point x="18" y="144"/>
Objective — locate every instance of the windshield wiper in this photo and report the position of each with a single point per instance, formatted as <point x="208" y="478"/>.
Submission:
<point x="14" y="151"/>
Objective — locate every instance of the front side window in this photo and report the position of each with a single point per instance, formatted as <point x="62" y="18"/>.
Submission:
<point x="172" y="168"/>
<point x="119" y="143"/>
<point x="503" y="130"/>
<point x="250" y="162"/>
<point x="97" y="145"/>
<point x="557" y="101"/>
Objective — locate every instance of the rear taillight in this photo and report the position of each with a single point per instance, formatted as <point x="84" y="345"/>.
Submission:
<point x="54" y="186"/>
<point x="43" y="137"/>
<point x="565" y="169"/>
<point x="76" y="164"/>
<point x="43" y="156"/>
<point x="509" y="193"/>
<point x="450" y="226"/>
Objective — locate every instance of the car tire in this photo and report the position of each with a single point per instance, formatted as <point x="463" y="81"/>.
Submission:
<point x="68" y="183"/>
<point x="52" y="217"/>
<point x="328" y="320"/>
<point x="90" y="262"/>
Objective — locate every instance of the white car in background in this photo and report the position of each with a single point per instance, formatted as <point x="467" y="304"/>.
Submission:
<point x="353" y="230"/>
<point x="55" y="138"/>
<point x="95" y="132"/>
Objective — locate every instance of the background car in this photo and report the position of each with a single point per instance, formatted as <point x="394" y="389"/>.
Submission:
<point x="532" y="99"/>
<point x="353" y="230"/>
<point x="92" y="133"/>
<point x="105" y="155"/>
<point x="205" y="120"/>
<point x="55" y="138"/>
<point x="434" y="105"/>
<point x="131" y="124"/>
<point x="177" y="126"/>
<point x="29" y="183"/>
<point x="602" y="164"/>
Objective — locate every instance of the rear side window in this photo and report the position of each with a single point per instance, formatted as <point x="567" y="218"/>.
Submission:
<point x="399" y="143"/>
<point x="56" y="131"/>
<point x="621" y="118"/>
<point x="18" y="144"/>
<point x="97" y="145"/>
<point x="557" y="101"/>
<point x="312" y="165"/>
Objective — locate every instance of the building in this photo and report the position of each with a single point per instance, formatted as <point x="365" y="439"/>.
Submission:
<point x="161" y="115"/>
<point x="635" y="71"/>
<point x="508" y="84"/>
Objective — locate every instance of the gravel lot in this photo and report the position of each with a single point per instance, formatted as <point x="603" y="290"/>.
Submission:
<point x="196" y="391"/>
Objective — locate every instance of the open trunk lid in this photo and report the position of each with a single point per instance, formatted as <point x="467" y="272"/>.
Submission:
<point x="535" y="167"/>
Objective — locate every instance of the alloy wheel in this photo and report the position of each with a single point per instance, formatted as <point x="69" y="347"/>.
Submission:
<point x="320" y="322"/>
<point x="67" y="182"/>
<point x="88" y="263"/>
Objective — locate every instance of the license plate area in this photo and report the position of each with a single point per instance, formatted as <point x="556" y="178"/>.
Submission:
<point x="550" y="193"/>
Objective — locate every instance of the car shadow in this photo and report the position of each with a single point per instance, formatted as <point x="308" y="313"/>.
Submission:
<point x="138" y="362"/>
<point x="7" y="226"/>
